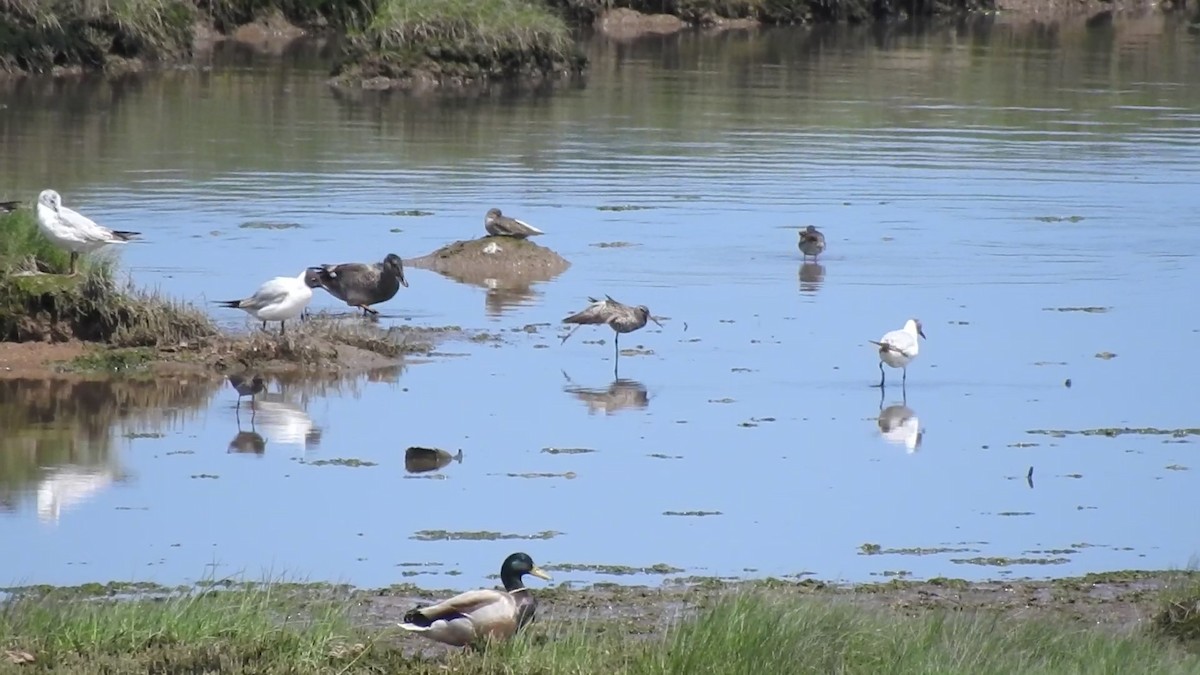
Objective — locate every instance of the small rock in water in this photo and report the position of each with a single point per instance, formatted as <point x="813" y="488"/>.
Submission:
<point x="1067" y="383"/>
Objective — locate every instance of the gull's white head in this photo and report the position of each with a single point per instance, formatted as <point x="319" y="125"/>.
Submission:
<point x="50" y="198"/>
<point x="914" y="326"/>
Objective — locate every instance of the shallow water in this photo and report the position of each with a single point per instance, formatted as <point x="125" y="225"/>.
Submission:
<point x="977" y="178"/>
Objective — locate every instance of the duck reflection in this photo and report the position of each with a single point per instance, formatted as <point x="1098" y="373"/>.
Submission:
<point x="899" y="425"/>
<point x="423" y="460"/>
<point x="622" y="394"/>
<point x="811" y="276"/>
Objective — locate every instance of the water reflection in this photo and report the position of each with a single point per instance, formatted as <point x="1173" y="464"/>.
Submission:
<point x="899" y="425"/>
<point x="623" y="393"/>
<point x="69" y="486"/>
<point x="58" y="434"/>
<point x="506" y="290"/>
<point x="811" y="276"/>
<point x="286" y="422"/>
<point x="248" y="442"/>
<point x="423" y="460"/>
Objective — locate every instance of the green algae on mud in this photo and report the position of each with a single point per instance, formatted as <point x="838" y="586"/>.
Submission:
<point x="480" y="535"/>
<point x="1087" y="624"/>
<point x="1113" y="432"/>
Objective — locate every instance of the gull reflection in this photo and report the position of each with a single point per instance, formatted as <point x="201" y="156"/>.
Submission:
<point x="421" y="460"/>
<point x="621" y="394"/>
<point x="284" y="422"/>
<point x="68" y="486"/>
<point x="899" y="425"/>
<point x="811" y="276"/>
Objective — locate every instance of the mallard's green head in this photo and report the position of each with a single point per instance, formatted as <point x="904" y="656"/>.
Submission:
<point x="516" y="566"/>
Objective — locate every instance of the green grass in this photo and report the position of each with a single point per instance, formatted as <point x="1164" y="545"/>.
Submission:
<point x="288" y="629"/>
<point x="463" y="40"/>
<point x="41" y="35"/>
<point x="39" y="303"/>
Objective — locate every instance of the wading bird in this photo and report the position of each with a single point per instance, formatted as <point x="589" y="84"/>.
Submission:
<point x="812" y="242"/>
<point x="620" y="317"/>
<point x="898" y="348"/>
<point x="279" y="299"/>
<point x="247" y="386"/>
<point x="72" y="231"/>
<point x="500" y="225"/>
<point x="361" y="284"/>
<point x="484" y="614"/>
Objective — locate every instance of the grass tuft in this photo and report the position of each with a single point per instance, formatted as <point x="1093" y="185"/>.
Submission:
<point x="43" y="35"/>
<point x="39" y="303"/>
<point x="459" y="40"/>
<point x="1179" y="617"/>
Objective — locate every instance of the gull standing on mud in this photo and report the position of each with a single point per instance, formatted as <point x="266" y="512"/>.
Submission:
<point x="360" y="284"/>
<point x="812" y="242"/>
<point x="481" y="615"/>
<point x="279" y="299"/>
<point x="500" y="225"/>
<point x="72" y="231"/>
<point x="898" y="348"/>
<point x="620" y="317"/>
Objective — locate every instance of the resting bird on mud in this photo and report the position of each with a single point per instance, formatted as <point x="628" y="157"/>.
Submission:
<point x="485" y="614"/>
<point x="360" y="285"/>
<point x="72" y="231"/>
<point x="898" y="348"/>
<point x="620" y="317"/>
<point x="279" y="299"/>
<point x="812" y="242"/>
<point x="500" y="225"/>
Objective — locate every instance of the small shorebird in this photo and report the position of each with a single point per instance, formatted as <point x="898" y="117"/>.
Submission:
<point x="72" y="231"/>
<point x="279" y="299"/>
<point x="620" y="317"/>
<point x="500" y="225"/>
<point x="898" y="348"/>
<point x="812" y="242"/>
<point x="361" y="284"/>
<point x="247" y="386"/>
<point x="484" y="614"/>
<point x="8" y="207"/>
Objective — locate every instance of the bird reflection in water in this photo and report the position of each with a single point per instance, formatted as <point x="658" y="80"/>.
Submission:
<point x="423" y="460"/>
<point x="67" y="486"/>
<point x="811" y="276"/>
<point x="620" y="395"/>
<point x="899" y="425"/>
<point x="248" y="442"/>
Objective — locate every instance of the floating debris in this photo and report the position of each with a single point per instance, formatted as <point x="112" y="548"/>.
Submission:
<point x="340" y="461"/>
<point x="1090" y="310"/>
<point x="268" y="225"/>
<point x="698" y="514"/>
<point x="481" y="535"/>
<point x="1106" y="355"/>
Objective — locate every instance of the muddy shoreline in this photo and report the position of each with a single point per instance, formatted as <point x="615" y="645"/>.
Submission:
<point x="1116" y="601"/>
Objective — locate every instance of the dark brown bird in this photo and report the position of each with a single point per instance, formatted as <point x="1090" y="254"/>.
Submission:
<point x="360" y="284"/>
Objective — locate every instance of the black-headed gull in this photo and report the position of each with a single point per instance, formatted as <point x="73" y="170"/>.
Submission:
<point x="279" y="299"/>
<point x="72" y="231"/>
<point x="898" y="348"/>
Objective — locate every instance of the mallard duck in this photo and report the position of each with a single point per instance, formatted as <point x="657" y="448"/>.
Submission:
<point x="499" y="225"/>
<point x="360" y="284"/>
<point x="483" y="614"/>
<point x="73" y="231"/>
<point x="898" y="348"/>
<point x="279" y="299"/>
<point x="812" y="242"/>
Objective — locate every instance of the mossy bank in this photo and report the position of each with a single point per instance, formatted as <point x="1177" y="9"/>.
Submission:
<point x="773" y="626"/>
<point x="115" y="326"/>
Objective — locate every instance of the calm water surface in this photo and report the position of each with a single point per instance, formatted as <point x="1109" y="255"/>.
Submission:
<point x="977" y="178"/>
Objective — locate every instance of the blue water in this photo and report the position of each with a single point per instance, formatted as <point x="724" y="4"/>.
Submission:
<point x="930" y="196"/>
